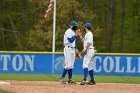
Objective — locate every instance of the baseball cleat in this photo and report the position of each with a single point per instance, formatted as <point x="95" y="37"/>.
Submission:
<point x="92" y="82"/>
<point x="62" y="81"/>
<point x="71" y="82"/>
<point x="84" y="82"/>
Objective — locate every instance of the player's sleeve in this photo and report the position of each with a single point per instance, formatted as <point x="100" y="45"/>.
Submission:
<point x="71" y="40"/>
<point x="70" y="37"/>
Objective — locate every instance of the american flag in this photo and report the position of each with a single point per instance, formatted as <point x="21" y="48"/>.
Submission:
<point x="48" y="11"/>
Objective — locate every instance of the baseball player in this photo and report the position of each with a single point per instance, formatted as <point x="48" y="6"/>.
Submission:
<point x="88" y="52"/>
<point x="69" y="52"/>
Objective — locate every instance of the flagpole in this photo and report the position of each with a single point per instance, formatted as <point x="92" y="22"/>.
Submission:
<point x="54" y="26"/>
<point x="53" y="44"/>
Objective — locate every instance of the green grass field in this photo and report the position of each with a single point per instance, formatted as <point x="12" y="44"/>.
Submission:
<point x="78" y="78"/>
<point x="2" y="91"/>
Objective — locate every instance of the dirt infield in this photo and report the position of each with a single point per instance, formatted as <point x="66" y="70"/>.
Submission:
<point x="56" y="87"/>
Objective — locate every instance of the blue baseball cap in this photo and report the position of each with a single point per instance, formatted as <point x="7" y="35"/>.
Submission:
<point x="88" y="25"/>
<point x="73" y="23"/>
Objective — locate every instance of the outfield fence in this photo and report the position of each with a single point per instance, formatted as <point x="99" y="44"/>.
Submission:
<point x="18" y="62"/>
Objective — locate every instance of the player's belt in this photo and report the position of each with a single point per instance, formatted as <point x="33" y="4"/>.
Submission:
<point x="90" y="48"/>
<point x="70" y="47"/>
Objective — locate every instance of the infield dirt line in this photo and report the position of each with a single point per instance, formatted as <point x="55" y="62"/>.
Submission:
<point x="56" y="87"/>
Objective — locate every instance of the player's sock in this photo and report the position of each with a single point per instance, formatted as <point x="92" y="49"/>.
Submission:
<point x="91" y="74"/>
<point x="85" y="73"/>
<point x="70" y="74"/>
<point x="64" y="73"/>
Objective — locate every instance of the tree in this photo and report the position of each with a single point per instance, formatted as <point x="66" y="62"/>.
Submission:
<point x="122" y="26"/>
<point x="116" y="25"/>
<point x="110" y="24"/>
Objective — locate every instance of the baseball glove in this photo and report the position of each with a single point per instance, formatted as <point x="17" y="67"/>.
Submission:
<point x="78" y="56"/>
<point x="84" y="52"/>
